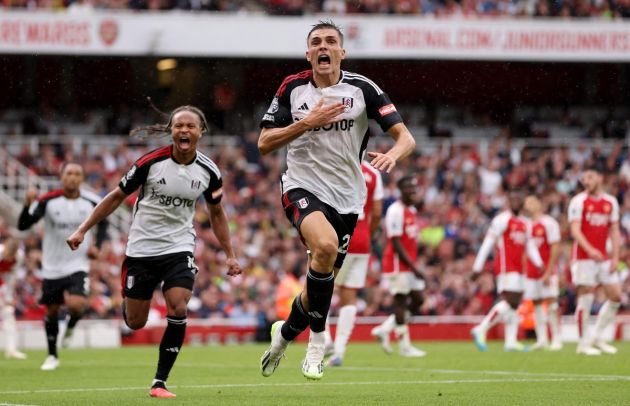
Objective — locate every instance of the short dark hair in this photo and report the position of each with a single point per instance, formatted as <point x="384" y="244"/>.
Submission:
<point x="404" y="180"/>
<point x="65" y="164"/>
<point x="323" y="24"/>
<point x="593" y="167"/>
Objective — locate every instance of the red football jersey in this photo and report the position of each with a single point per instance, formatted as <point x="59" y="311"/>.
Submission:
<point x="545" y="231"/>
<point x="595" y="215"/>
<point x="361" y="239"/>
<point x="511" y="234"/>
<point x="400" y="221"/>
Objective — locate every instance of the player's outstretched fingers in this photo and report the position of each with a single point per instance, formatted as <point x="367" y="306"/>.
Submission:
<point x="382" y="162"/>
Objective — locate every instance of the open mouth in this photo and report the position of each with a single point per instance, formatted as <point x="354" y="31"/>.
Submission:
<point x="184" y="141"/>
<point x="323" y="60"/>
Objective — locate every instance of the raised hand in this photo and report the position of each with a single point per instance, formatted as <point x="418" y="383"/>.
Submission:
<point x="31" y="195"/>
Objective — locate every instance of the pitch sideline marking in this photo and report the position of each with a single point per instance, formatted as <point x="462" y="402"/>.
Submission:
<point x="259" y="385"/>
<point x="487" y="372"/>
<point x="14" y="404"/>
<point x="392" y="369"/>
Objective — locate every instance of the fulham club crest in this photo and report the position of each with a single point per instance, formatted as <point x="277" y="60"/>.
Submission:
<point x="303" y="203"/>
<point x="347" y="102"/>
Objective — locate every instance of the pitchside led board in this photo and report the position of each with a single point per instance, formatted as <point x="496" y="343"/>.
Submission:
<point x="180" y="34"/>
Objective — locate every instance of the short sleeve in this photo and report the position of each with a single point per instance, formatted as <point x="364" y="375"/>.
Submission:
<point x="614" y="213"/>
<point x="214" y="192"/>
<point x="379" y="107"/>
<point x="575" y="209"/>
<point x="553" y="231"/>
<point x="278" y="114"/>
<point x="499" y="225"/>
<point x="134" y="178"/>
<point x="378" y="187"/>
<point x="395" y="221"/>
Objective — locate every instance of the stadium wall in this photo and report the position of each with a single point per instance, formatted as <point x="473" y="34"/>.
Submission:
<point x="388" y="37"/>
<point x="107" y="333"/>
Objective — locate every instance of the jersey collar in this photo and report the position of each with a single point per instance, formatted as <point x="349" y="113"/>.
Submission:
<point x="179" y="163"/>
<point x="341" y="76"/>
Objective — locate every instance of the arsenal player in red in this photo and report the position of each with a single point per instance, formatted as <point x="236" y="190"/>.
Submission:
<point x="594" y="219"/>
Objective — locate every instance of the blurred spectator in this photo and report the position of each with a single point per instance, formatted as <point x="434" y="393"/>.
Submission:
<point x="461" y="186"/>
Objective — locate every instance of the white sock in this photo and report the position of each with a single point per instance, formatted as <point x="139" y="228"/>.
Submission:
<point x="605" y="317"/>
<point x="9" y="326"/>
<point x="541" y="324"/>
<point x="317" y="338"/>
<point x="582" y="314"/>
<point x="511" y="328"/>
<point x="402" y="333"/>
<point x="345" y="324"/>
<point x="554" y="322"/>
<point x="494" y="316"/>
<point x="389" y="324"/>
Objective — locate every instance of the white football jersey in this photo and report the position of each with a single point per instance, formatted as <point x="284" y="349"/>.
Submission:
<point x="61" y="217"/>
<point x="164" y="210"/>
<point x="326" y="161"/>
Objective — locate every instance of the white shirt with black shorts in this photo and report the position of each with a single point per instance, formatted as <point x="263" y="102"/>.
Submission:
<point x="62" y="268"/>
<point x="324" y="164"/>
<point x="162" y="235"/>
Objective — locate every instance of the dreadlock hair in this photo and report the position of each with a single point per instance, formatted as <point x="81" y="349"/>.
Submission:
<point x="162" y="130"/>
<point x="322" y="24"/>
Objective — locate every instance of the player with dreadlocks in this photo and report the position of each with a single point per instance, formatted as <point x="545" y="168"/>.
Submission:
<point x="162" y="237"/>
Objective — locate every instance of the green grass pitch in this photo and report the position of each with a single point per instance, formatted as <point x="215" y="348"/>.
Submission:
<point x="453" y="373"/>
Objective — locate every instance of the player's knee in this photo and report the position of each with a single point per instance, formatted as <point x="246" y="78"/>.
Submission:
<point x="178" y="311"/>
<point x="325" y="252"/>
<point x="52" y="311"/>
<point x="615" y="297"/>
<point x="77" y="308"/>
<point x="135" y="323"/>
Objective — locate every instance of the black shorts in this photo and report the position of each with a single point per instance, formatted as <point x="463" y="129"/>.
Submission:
<point x="76" y="284"/>
<point x="141" y="275"/>
<point x="298" y="203"/>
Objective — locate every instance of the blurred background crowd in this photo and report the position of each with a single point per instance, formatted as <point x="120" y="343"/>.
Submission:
<point x="599" y="9"/>
<point x="461" y="189"/>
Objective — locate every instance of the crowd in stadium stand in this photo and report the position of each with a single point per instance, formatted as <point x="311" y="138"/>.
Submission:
<point x="600" y="9"/>
<point x="461" y="188"/>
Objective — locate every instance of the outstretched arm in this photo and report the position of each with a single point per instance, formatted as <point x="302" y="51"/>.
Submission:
<point x="484" y="251"/>
<point x="403" y="146"/>
<point x="100" y="212"/>
<point x="221" y="229"/>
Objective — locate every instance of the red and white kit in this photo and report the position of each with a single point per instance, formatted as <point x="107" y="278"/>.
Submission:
<point x="595" y="214"/>
<point x="401" y="221"/>
<point x="354" y="269"/>
<point x="544" y="232"/>
<point x="511" y="234"/>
